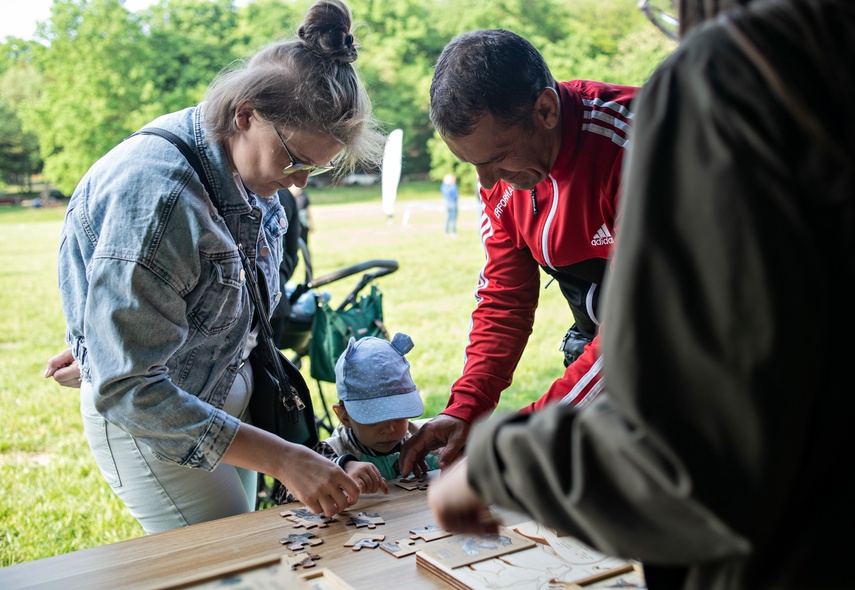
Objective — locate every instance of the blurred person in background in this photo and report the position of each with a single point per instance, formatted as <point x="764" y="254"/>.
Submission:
<point x="304" y="212"/>
<point x="450" y="194"/>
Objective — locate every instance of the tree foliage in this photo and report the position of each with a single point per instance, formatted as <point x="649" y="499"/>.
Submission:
<point x="399" y="46"/>
<point x="188" y="42"/>
<point x="104" y="71"/>
<point x="92" y="85"/>
<point x="19" y="149"/>
<point x="265" y="21"/>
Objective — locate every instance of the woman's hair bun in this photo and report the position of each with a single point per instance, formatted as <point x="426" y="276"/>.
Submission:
<point x="326" y="31"/>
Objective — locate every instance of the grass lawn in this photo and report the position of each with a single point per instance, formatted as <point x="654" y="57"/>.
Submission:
<point x="53" y="498"/>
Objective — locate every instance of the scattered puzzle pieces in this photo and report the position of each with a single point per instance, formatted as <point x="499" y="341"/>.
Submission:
<point x="363" y="519"/>
<point x="429" y="533"/>
<point x="360" y="540"/>
<point x="303" y="518"/>
<point x="296" y="542"/>
<point x="412" y="483"/>
<point x="303" y="560"/>
<point x="401" y="547"/>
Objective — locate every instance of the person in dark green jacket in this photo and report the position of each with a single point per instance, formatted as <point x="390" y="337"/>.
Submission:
<point x="716" y="453"/>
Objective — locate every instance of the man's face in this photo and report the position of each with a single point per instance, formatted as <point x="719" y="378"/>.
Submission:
<point x="521" y="157"/>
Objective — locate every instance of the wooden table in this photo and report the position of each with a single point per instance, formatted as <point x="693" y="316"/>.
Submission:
<point x="174" y="558"/>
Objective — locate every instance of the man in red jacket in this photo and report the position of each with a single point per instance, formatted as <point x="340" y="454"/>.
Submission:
<point x="548" y="157"/>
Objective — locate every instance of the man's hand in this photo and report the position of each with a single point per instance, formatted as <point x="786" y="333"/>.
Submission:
<point x="455" y="505"/>
<point x="64" y="369"/>
<point x="443" y="431"/>
<point x="367" y="476"/>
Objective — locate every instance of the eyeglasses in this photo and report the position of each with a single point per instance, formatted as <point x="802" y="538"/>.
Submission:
<point x="297" y="166"/>
<point x="661" y="19"/>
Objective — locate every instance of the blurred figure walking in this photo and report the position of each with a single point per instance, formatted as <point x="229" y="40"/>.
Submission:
<point x="450" y="193"/>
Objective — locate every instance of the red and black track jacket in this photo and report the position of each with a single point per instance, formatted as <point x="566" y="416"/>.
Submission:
<point x="565" y="225"/>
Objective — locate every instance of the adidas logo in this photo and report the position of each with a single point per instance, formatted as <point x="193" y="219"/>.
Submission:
<point x="603" y="237"/>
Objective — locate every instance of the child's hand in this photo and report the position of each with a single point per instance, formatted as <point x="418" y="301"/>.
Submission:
<point x="367" y="476"/>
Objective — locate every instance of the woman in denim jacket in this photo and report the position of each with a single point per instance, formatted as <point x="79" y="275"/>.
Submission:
<point x="152" y="285"/>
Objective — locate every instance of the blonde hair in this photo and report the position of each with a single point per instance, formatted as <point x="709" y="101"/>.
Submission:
<point x="308" y="83"/>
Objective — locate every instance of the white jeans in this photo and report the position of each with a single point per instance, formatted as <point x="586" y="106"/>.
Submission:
<point x="164" y="496"/>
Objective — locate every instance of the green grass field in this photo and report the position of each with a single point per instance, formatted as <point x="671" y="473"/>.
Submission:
<point x="53" y="498"/>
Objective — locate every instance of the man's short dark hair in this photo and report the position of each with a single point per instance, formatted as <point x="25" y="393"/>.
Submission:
<point x="490" y="71"/>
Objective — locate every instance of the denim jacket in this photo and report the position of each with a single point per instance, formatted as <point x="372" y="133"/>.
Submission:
<point x="153" y="288"/>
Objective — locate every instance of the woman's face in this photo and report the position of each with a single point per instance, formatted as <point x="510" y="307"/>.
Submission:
<point x="258" y="154"/>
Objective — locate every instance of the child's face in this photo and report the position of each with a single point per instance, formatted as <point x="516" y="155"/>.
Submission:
<point x="382" y="437"/>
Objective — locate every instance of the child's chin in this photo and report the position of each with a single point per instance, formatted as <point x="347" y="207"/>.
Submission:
<point x="384" y="447"/>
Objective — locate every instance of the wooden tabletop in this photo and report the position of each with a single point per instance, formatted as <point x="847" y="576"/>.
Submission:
<point x="175" y="558"/>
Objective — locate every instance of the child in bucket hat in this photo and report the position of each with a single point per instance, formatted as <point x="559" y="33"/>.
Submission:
<point x="377" y="397"/>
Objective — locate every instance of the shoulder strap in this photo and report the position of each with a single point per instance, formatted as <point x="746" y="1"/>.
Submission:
<point x="266" y="336"/>
<point x="186" y="151"/>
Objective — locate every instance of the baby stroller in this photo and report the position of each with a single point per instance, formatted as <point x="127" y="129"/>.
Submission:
<point x="315" y="330"/>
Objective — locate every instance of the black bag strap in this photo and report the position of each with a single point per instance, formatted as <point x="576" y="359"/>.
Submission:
<point x="186" y="151"/>
<point x="292" y="401"/>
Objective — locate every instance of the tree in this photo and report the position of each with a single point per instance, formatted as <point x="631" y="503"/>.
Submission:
<point x="92" y="84"/>
<point x="185" y="44"/>
<point x="19" y="84"/>
<point x="105" y="71"/>
<point x="17" y="149"/>
<point x="264" y="21"/>
<point x="399" y="45"/>
<point x="443" y="161"/>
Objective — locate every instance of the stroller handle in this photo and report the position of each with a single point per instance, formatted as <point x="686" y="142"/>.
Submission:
<point x="384" y="267"/>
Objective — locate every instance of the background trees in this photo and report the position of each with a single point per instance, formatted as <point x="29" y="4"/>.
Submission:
<point x="96" y="72"/>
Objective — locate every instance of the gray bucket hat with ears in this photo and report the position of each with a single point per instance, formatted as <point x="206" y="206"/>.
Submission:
<point x="373" y="379"/>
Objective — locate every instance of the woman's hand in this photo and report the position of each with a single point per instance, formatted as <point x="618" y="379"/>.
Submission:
<point x="317" y="482"/>
<point x="313" y="479"/>
<point x="455" y="505"/>
<point x="64" y="369"/>
<point x="367" y="476"/>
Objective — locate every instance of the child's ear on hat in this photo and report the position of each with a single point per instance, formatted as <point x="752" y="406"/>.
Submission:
<point x="341" y="413"/>
<point x="402" y="343"/>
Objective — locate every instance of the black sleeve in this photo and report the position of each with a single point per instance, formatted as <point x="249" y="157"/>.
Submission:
<point x="290" y="247"/>
<point x="289" y="243"/>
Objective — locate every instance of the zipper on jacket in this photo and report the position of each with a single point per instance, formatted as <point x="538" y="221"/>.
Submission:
<point x="544" y="236"/>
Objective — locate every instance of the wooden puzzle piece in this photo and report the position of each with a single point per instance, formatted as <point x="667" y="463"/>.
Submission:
<point x="461" y="550"/>
<point x="401" y="547"/>
<point x="322" y="579"/>
<point x="625" y="576"/>
<point x="363" y="519"/>
<point x="360" y="540"/>
<point x="303" y="518"/>
<point x="412" y="483"/>
<point x="303" y="560"/>
<point x="296" y="542"/>
<point x="429" y="533"/>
